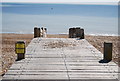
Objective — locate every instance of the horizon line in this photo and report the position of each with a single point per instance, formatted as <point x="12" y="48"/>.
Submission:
<point x="77" y="3"/>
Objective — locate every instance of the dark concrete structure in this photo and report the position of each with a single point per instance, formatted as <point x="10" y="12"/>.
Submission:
<point x="73" y="32"/>
<point x="76" y="33"/>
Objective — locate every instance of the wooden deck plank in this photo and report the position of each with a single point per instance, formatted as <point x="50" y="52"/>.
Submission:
<point x="79" y="62"/>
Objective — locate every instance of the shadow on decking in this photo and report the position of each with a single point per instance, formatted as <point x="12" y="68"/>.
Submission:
<point x="104" y="61"/>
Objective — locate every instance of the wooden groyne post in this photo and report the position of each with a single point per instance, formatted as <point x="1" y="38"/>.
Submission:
<point x="70" y="32"/>
<point x="107" y="51"/>
<point x="82" y="34"/>
<point x="35" y="32"/>
<point x="73" y="32"/>
<point x="20" y="50"/>
<point x="39" y="32"/>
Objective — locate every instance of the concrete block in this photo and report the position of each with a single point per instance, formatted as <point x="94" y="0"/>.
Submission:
<point x="78" y="32"/>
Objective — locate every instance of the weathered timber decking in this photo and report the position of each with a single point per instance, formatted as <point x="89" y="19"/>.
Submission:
<point x="79" y="61"/>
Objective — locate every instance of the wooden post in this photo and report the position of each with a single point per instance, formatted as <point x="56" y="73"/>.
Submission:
<point x="107" y="51"/>
<point x="73" y="32"/>
<point x="82" y="34"/>
<point x="35" y="32"/>
<point x="38" y="32"/>
<point x="42" y="32"/>
<point x="70" y="32"/>
<point x="20" y="50"/>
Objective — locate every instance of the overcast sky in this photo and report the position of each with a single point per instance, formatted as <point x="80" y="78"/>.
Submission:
<point x="108" y="2"/>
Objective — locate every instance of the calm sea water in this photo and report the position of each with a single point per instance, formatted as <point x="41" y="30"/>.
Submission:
<point x="58" y="18"/>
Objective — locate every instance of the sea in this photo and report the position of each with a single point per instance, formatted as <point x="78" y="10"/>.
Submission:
<point x="21" y="18"/>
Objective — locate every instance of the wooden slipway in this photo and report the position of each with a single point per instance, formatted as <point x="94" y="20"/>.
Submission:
<point x="61" y="59"/>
